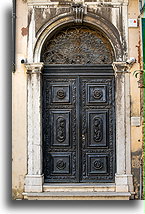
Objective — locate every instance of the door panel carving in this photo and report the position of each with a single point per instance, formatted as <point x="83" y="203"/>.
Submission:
<point x="96" y="94"/>
<point x="96" y="164"/>
<point x="97" y="128"/>
<point x="60" y="164"/>
<point x="60" y="93"/>
<point x="60" y="127"/>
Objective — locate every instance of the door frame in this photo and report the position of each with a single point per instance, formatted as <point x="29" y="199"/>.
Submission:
<point x="34" y="179"/>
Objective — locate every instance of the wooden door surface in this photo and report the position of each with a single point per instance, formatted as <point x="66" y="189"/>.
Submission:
<point x="78" y="124"/>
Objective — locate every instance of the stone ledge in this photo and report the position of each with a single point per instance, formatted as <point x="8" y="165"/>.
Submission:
<point x="77" y="196"/>
<point x="80" y="184"/>
<point x="79" y="187"/>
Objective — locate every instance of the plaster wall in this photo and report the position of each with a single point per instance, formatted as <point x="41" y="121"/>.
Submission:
<point x="136" y="95"/>
<point x="19" y="97"/>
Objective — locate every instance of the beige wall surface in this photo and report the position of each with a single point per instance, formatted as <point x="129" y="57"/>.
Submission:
<point x="19" y="95"/>
<point x="135" y="50"/>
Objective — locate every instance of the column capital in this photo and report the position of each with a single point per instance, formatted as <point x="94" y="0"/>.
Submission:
<point x="34" y="68"/>
<point x="120" y="67"/>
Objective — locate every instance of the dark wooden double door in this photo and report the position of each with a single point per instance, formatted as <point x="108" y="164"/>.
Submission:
<point x="78" y="125"/>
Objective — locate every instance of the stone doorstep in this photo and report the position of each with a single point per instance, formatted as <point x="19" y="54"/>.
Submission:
<point x="77" y="196"/>
<point x="78" y="192"/>
<point x="79" y="188"/>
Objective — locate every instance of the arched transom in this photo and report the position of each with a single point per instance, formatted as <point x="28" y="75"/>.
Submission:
<point x="77" y="45"/>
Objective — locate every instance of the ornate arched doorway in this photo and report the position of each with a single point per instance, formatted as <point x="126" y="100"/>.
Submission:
<point x="82" y="77"/>
<point x="78" y="107"/>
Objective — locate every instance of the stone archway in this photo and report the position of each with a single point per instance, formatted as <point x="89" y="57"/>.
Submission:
<point x="89" y="144"/>
<point x="95" y="21"/>
<point x="123" y="178"/>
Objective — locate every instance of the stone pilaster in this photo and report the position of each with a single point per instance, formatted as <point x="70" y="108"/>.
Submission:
<point x="123" y="177"/>
<point x="34" y="178"/>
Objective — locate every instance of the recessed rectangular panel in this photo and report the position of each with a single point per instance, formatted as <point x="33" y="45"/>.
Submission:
<point x="60" y="93"/>
<point x="96" y="164"/>
<point x="97" y="130"/>
<point x="60" y="163"/>
<point x="96" y="93"/>
<point x="60" y="128"/>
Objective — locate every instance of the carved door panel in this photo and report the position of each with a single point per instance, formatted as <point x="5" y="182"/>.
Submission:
<point x="98" y="129"/>
<point x="78" y="128"/>
<point x="60" y="129"/>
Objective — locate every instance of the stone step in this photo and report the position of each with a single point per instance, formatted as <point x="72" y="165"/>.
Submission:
<point x="79" y="188"/>
<point x="77" y="196"/>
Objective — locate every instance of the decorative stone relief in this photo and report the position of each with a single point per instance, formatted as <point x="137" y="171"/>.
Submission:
<point x="34" y="68"/>
<point x="78" y="11"/>
<point x="120" y="66"/>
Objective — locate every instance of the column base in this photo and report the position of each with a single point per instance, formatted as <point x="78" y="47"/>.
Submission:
<point x="34" y="183"/>
<point x="124" y="183"/>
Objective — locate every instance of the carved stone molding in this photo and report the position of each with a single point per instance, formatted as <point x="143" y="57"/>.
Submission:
<point x="95" y="20"/>
<point x="120" y="67"/>
<point x="43" y="3"/>
<point x="78" y="10"/>
<point x="34" y="68"/>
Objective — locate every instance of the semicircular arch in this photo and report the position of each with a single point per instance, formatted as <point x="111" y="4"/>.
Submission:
<point x="108" y="29"/>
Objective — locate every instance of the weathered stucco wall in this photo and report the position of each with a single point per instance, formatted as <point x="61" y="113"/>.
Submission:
<point x="136" y="95"/>
<point x="114" y="13"/>
<point x="19" y="96"/>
